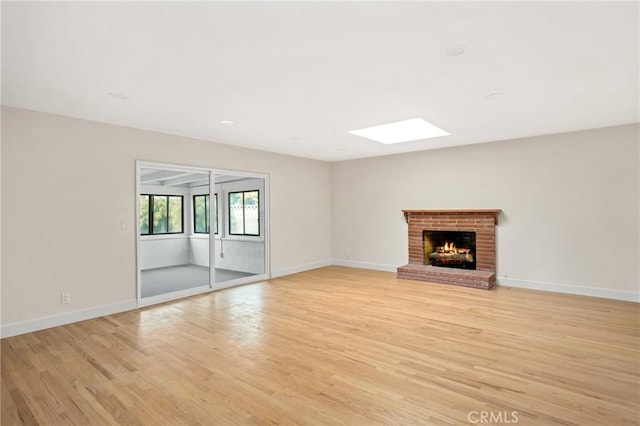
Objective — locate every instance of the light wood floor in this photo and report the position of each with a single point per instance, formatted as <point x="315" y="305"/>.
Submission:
<point x="335" y="346"/>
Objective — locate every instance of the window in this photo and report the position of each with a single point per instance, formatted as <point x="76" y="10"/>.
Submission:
<point x="244" y="213"/>
<point x="144" y="214"/>
<point x="161" y="214"/>
<point x="201" y="214"/>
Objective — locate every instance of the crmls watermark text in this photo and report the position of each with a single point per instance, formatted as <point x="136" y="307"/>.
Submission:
<point x="492" y="417"/>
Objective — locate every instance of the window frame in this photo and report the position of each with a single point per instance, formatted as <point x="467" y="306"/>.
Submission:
<point x="244" y="227"/>
<point x="151" y="212"/>
<point x="208" y="225"/>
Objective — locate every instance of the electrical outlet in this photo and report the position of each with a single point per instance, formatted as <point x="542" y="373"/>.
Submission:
<point x="123" y="224"/>
<point x="347" y="254"/>
<point x="65" y="298"/>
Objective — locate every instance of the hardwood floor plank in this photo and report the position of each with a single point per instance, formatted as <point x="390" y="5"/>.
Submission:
<point x="335" y="346"/>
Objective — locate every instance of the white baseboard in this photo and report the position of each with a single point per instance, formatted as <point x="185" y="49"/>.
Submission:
<point x="517" y="283"/>
<point x="628" y="296"/>
<point x="300" y="268"/>
<point x="365" y="265"/>
<point x="14" y="329"/>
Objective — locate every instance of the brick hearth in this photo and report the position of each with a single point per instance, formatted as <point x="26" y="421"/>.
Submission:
<point x="482" y="222"/>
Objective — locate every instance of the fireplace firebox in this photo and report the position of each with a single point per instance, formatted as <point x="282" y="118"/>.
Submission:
<point x="450" y="249"/>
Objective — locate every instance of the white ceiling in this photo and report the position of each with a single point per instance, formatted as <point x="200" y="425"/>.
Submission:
<point x="295" y="77"/>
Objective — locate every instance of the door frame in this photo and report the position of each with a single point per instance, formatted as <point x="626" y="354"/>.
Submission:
<point x="142" y="164"/>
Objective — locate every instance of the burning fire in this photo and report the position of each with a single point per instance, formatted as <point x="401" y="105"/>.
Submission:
<point x="450" y="247"/>
<point x="449" y="255"/>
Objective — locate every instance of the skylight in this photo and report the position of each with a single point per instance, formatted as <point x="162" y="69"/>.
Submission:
<point x="401" y="131"/>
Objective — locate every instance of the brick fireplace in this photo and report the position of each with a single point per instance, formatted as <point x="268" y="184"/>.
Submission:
<point x="477" y="265"/>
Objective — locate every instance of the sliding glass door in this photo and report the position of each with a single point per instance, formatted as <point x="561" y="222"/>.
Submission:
<point x="174" y="247"/>
<point x="198" y="230"/>
<point x="240" y="240"/>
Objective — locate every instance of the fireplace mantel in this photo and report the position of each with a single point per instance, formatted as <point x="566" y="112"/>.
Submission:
<point x="493" y="212"/>
<point x="482" y="222"/>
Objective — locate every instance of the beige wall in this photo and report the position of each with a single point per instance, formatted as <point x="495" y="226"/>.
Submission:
<point x="570" y="205"/>
<point x="569" y="201"/>
<point x="67" y="183"/>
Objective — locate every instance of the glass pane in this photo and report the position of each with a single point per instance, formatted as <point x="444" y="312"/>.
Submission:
<point x="160" y="219"/>
<point x="175" y="214"/>
<point x="236" y="222"/>
<point x="251" y="213"/>
<point x="200" y="216"/>
<point x="144" y="214"/>
<point x="215" y="213"/>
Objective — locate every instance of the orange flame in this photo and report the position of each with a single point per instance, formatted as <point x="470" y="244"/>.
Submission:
<point x="450" y="247"/>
